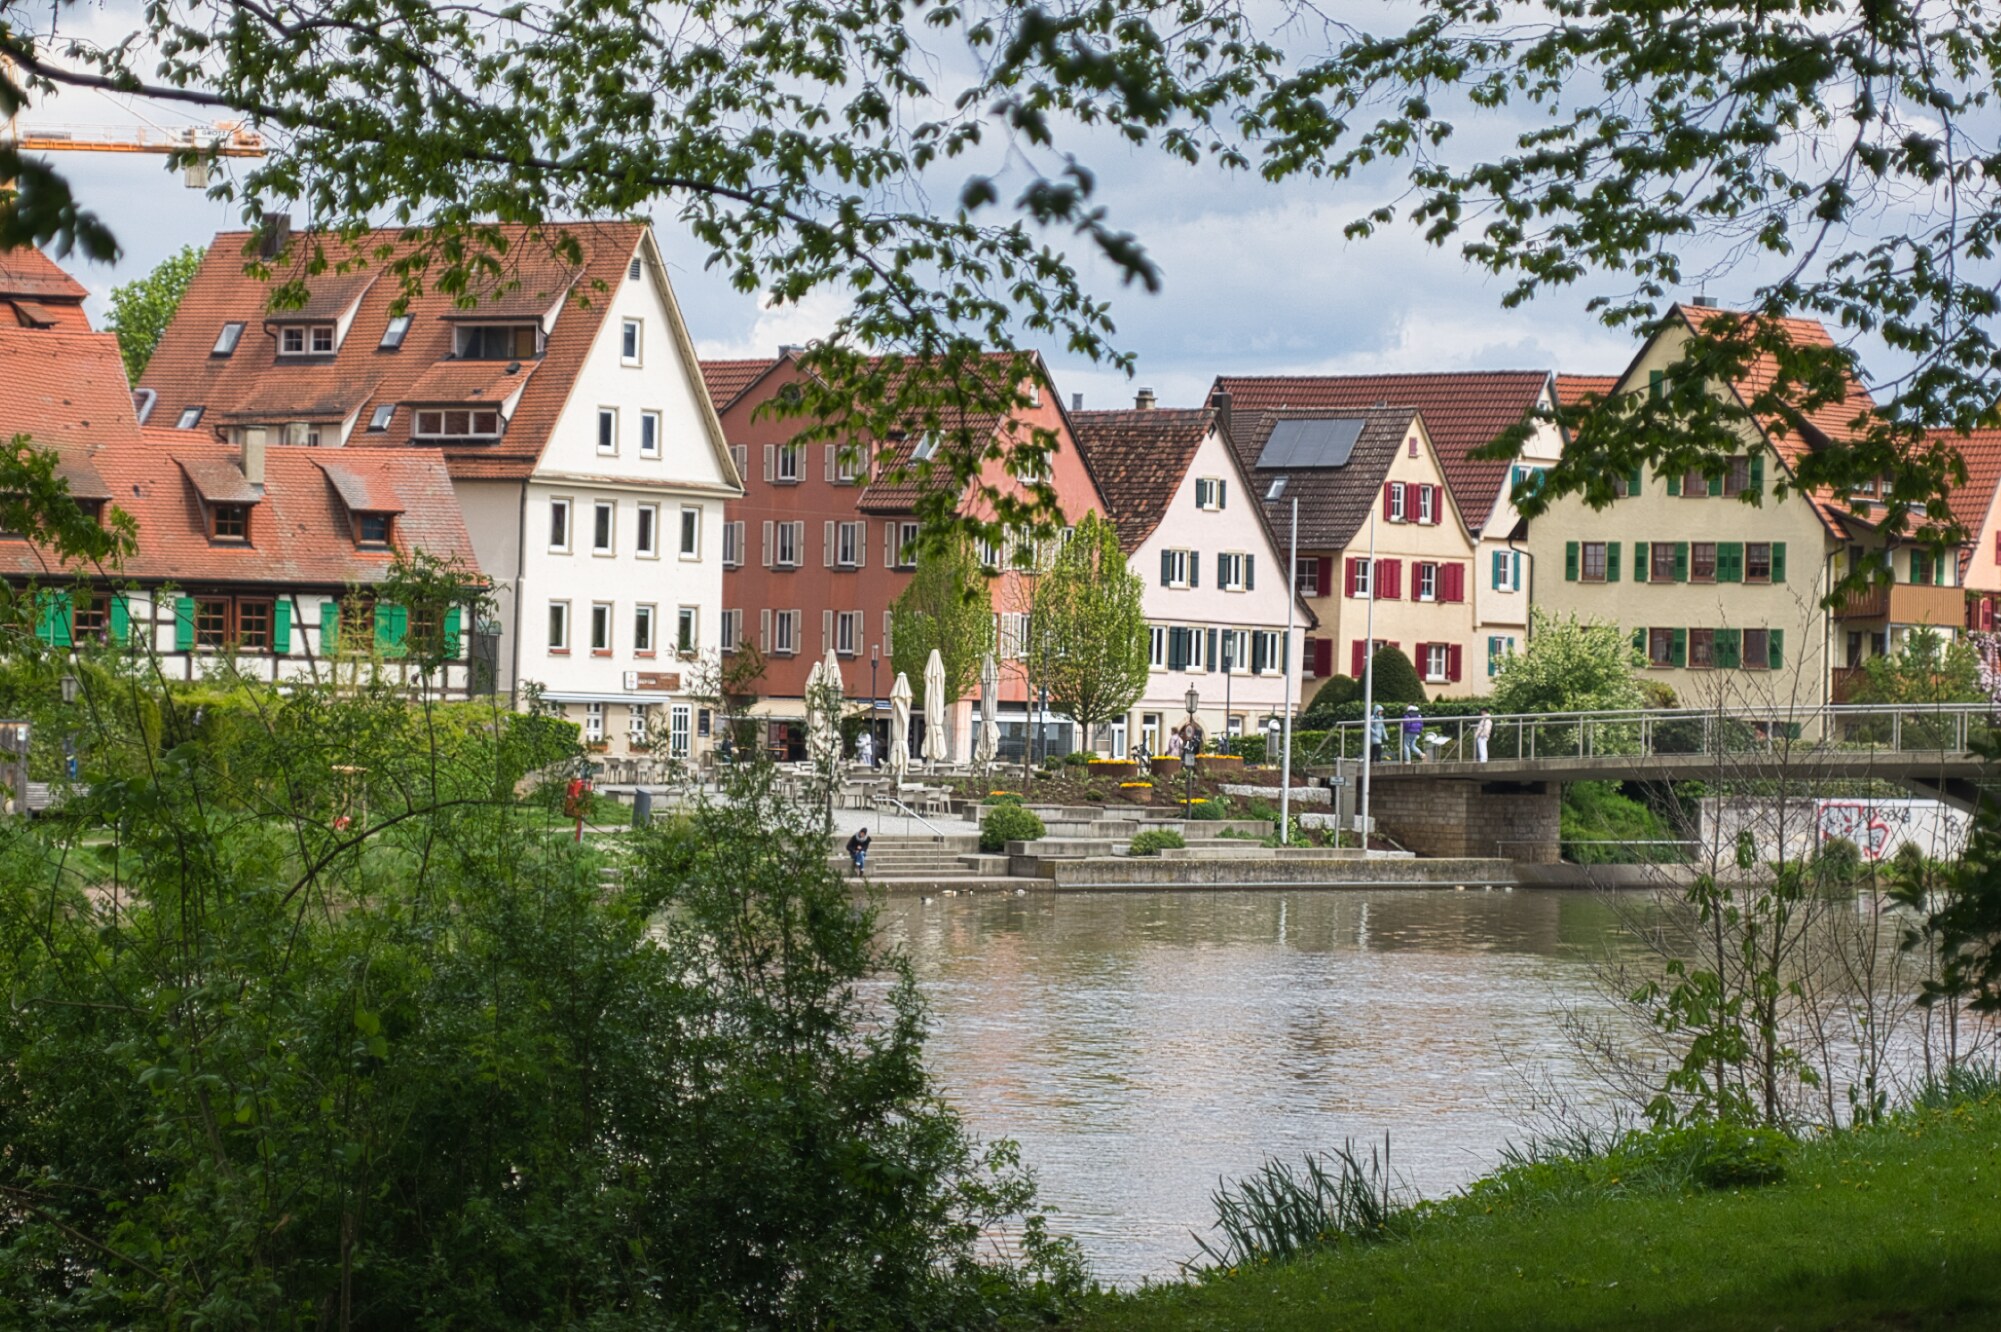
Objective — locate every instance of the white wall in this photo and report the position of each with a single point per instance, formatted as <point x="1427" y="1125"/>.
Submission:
<point x="1506" y="613"/>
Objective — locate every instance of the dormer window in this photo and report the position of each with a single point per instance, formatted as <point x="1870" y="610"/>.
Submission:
<point x="225" y="341"/>
<point x="300" y="434"/>
<point x="374" y="529"/>
<point x="399" y="328"/>
<point x="497" y="342"/>
<point x="142" y="403"/>
<point x="306" y="340"/>
<point x="457" y="423"/>
<point x="925" y="448"/>
<point x="229" y="522"/>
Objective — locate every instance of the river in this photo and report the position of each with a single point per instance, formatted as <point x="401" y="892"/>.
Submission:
<point x="1140" y="1046"/>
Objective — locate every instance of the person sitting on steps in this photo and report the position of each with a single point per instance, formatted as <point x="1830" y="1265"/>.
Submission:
<point x="858" y="850"/>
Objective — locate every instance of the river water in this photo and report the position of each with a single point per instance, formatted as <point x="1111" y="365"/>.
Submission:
<point x="1141" y="1046"/>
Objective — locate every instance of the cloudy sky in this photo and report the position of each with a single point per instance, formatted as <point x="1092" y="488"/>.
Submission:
<point x="1257" y="278"/>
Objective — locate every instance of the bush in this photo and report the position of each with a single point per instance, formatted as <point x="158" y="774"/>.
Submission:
<point x="1003" y="798"/>
<point x="1838" y="861"/>
<point x="1076" y="759"/>
<point x="1336" y="690"/>
<point x="1155" y="840"/>
<point x="1599" y="812"/>
<point x="1396" y="678"/>
<point x="1711" y="1154"/>
<point x="1009" y="823"/>
<point x="1204" y="809"/>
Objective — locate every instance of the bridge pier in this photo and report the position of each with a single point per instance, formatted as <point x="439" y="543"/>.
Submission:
<point x="1449" y="817"/>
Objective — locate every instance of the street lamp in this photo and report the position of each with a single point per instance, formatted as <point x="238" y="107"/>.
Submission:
<point x="69" y="688"/>
<point x="1229" y="678"/>
<point x="1189" y="744"/>
<point x="874" y="699"/>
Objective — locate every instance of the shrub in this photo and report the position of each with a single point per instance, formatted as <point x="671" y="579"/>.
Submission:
<point x="1710" y="1154"/>
<point x="1838" y="861"/>
<point x="1076" y="760"/>
<point x="1155" y="840"/>
<point x="1003" y="797"/>
<point x="1207" y="810"/>
<point x="1009" y="823"/>
<point x="1336" y="690"/>
<point x="1396" y="678"/>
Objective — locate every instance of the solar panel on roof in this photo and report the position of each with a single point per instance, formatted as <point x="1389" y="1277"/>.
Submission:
<point x="1311" y="442"/>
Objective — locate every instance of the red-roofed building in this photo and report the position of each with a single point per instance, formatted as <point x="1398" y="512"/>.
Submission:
<point x="819" y="546"/>
<point x="36" y="293"/>
<point x="1976" y="506"/>
<point x="1463" y="411"/>
<point x="563" y="400"/>
<point x="245" y="553"/>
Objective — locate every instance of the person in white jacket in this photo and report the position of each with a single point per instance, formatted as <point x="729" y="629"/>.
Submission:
<point x="1483" y="733"/>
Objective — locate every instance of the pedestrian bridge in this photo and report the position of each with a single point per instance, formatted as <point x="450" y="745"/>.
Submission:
<point x="1453" y="803"/>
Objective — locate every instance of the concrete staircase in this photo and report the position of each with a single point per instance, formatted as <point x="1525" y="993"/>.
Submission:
<point x="927" y="864"/>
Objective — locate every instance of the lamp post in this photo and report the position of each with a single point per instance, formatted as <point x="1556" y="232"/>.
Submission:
<point x="1229" y="674"/>
<point x="69" y="688"/>
<point x="874" y="699"/>
<point x="1188" y="747"/>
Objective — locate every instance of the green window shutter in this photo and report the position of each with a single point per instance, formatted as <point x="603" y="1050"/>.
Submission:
<point x="1715" y="486"/>
<point x="1729" y="561"/>
<point x="1729" y="648"/>
<point x="452" y="634"/>
<point x="65" y="616"/>
<point x="1778" y="642"/>
<point x="1678" y="648"/>
<point x="1640" y="556"/>
<point x="184" y="624"/>
<point x="1640" y="641"/>
<point x="45" y="616"/>
<point x="392" y="624"/>
<point x="1498" y="557"/>
<point x="329" y="627"/>
<point x="1778" y="561"/>
<point x="1612" y="561"/>
<point x="1681" y="561"/>
<point x="281" y="626"/>
<point x="1634" y="480"/>
<point x="1656" y="383"/>
<point x="1757" y="472"/>
<point x="1674" y="483"/>
<point x="1570" y="561"/>
<point x="121" y="620"/>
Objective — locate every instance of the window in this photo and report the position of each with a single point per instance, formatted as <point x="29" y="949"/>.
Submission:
<point x="1308" y="582"/>
<point x="497" y="342"/>
<point x="628" y="342"/>
<point x="1427" y="504"/>
<point x="1660" y="647"/>
<point x="299" y="434"/>
<point x="379" y="419"/>
<point x="989" y="553"/>
<point x="211" y="621"/>
<point x="1175" y="566"/>
<point x="464" y="423"/>
<point x="1394" y="505"/>
<point x="306" y="339"/>
<point x="904" y="542"/>
<point x="323" y="339"/>
<point x="1702" y="649"/>
<point x="1209" y="493"/>
<point x="638" y="724"/>
<point x="292" y="341"/>
<point x="1737" y="479"/>
<point x="89" y="619"/>
<point x="730" y="632"/>
<point x="733" y="544"/>
<point x="225" y="341"/>
<point x="1413" y="446"/>
<point x="392" y="336"/>
<point x="1156" y="646"/>
<point x="632" y="269"/>
<point x="691" y="532"/>
<point x="642" y="630"/>
<point x="1660" y="561"/>
<point x="677" y="730"/>
<point x="373" y="529"/>
<point x="1360" y="578"/>
<point x="559" y="626"/>
<point x="785" y="633"/>
<point x="1758" y="562"/>
<point x="229" y="522"/>
<point x="1702" y="562"/>
<point x="646" y="530"/>
<point x="189" y="419"/>
<point x="687" y="631"/>
<point x="926" y="448"/>
<point x="1593" y="569"/>
<point x="848" y="633"/>
<point x="1435" y="662"/>
<point x="559" y="525"/>
<point x="846" y="464"/>
<point x="1233" y="572"/>
<point x="847" y="545"/>
<point x="1427" y="582"/>
<point x="791" y="462"/>
<point x="1499" y="649"/>
<point x="1275" y="490"/>
<point x="1507" y="571"/>
<point x="649" y="434"/>
<point x="594" y="722"/>
<point x="791" y="536"/>
<point x="1529" y="480"/>
<point x="253" y="625"/>
<point x="1757" y="649"/>
<point x="1268" y="652"/>
<point x="600" y="628"/>
<point x="607" y="430"/>
<point x="603" y="527"/>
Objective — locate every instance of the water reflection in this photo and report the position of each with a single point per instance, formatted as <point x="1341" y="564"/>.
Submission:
<point x="1140" y="1046"/>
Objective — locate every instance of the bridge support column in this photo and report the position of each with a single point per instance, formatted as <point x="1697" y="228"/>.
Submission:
<point x="1447" y="817"/>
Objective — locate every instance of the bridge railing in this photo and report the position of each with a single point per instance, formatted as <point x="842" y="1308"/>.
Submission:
<point x="1845" y="728"/>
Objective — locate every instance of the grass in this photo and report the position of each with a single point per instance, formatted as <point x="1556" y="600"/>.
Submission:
<point x="1891" y="1227"/>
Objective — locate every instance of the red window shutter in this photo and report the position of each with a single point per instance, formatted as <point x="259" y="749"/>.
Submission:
<point x="1355" y="659"/>
<point x="1326" y="579"/>
<point x="1454" y="661"/>
<point x="1455" y="582"/>
<point x="1387" y="512"/>
<point x="1323" y="657"/>
<point x="1997" y="547"/>
<point x="1987" y="613"/>
<point x="1353" y="566"/>
<point x="1392" y="579"/>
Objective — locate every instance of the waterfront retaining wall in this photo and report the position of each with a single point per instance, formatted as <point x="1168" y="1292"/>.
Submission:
<point x="1445" y="817"/>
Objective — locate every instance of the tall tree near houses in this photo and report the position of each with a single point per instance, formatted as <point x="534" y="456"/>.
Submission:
<point x="946" y="605"/>
<point x="1088" y="631"/>
<point x="142" y="309"/>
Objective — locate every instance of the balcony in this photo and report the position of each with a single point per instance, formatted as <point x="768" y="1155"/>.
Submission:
<point x="1909" y="603"/>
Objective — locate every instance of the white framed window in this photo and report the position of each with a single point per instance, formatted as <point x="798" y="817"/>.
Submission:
<point x="1197" y="648"/>
<point x="1427" y="581"/>
<point x="638" y="722"/>
<point x="466" y="423"/>
<point x="608" y="430"/>
<point x="1397" y="512"/>
<point x="642" y="630"/>
<point x="649" y="434"/>
<point x="604" y="527"/>
<point x="600" y="628"/>
<point x="190" y="418"/>
<point x="733" y="544"/>
<point x="903" y="543"/>
<point x="1308" y="583"/>
<point x="1427" y="504"/>
<point x="1175" y="566"/>
<point x="301" y="434"/>
<point x="393" y="335"/>
<point x="791" y="462"/>
<point x="646" y="531"/>
<point x="678" y="716"/>
<point x="691" y="531"/>
<point x="785" y="633"/>
<point x="848" y="633"/>
<point x="1209" y="493"/>
<point x="1233" y="651"/>
<point x="1233" y="571"/>
<point x="1268" y="652"/>
<point x="1156" y="646"/>
<point x="593" y="722"/>
<point x="990" y="556"/>
<point x="791" y="544"/>
<point x="559" y="526"/>
<point x="559" y="626"/>
<point x="687" y="631"/>
<point x="292" y="340"/>
<point x="847" y="545"/>
<point x="630" y="332"/>
<point x="225" y="341"/>
<point x="323" y="339"/>
<point x="730" y="632"/>
<point x="1435" y="662"/>
<point x="848" y="464"/>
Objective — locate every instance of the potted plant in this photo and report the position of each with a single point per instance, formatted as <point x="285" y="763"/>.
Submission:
<point x="1139" y="792"/>
<point x="1122" y="770"/>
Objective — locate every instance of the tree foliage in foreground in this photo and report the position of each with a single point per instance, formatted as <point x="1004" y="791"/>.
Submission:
<point x="142" y="309"/>
<point x="946" y="605"/>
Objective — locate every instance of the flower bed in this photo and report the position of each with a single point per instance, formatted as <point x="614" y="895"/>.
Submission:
<point x="1218" y="765"/>
<point x="1120" y="770"/>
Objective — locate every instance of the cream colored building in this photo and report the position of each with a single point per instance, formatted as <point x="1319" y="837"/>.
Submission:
<point x="1723" y="595"/>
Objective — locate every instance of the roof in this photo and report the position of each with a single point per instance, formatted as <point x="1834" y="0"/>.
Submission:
<point x="1980" y="450"/>
<point x="1334" y="502"/>
<point x="362" y="373"/>
<point x="1573" y="390"/>
<point x="728" y="379"/>
<point x="453" y="382"/>
<point x="29" y="273"/>
<point x="301" y="532"/>
<point x="1462" y="410"/>
<point x="1139" y="459"/>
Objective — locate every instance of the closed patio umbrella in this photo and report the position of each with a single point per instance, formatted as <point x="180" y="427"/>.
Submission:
<point x="989" y="743"/>
<point x="899" y="729"/>
<point x="936" y="750"/>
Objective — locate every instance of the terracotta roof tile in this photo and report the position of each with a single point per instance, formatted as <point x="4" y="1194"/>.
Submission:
<point x="323" y="392"/>
<point x="56" y="387"/>
<point x="1334" y="502"/>
<point x="218" y="479"/>
<point x="728" y="379"/>
<point x="1463" y="411"/>
<point x="1980" y="450"/>
<point x="329" y="296"/>
<point x="30" y="273"/>
<point x="1574" y="389"/>
<point x="1139" y="459"/>
<point x="362" y="374"/>
<point x="457" y="382"/>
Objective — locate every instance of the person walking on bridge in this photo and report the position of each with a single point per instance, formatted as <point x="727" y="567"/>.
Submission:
<point x="1413" y="734"/>
<point x="1483" y="733"/>
<point x="1378" y="735"/>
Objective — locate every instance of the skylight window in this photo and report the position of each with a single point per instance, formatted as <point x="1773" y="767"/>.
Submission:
<point x="380" y="420"/>
<point x="225" y="341"/>
<point x="1277" y="488"/>
<point x="190" y="418"/>
<point x="925" y="448"/>
<point x="142" y="403"/>
<point x="392" y="337"/>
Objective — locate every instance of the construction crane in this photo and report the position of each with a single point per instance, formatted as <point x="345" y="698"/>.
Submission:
<point x="224" y="139"/>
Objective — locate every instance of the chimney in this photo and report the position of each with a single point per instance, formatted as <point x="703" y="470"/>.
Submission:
<point x="253" y="455"/>
<point x="1220" y="401"/>
<point x="789" y="349"/>
<point x="275" y="231"/>
<point x="1706" y="301"/>
<point x="1076" y="402"/>
<point x="1144" y="401"/>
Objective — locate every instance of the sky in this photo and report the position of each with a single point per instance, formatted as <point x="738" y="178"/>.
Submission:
<point x="1257" y="278"/>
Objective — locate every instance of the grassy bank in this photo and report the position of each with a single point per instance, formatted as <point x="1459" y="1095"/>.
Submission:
<point x="1891" y="1227"/>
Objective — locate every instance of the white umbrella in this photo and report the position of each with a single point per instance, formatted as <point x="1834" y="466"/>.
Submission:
<point x="935" y="748"/>
<point x="832" y="693"/>
<point x="989" y="743"/>
<point x="899" y="729"/>
<point x="816" y="727"/>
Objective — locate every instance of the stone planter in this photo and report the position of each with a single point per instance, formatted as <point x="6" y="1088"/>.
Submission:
<point x="1139" y="795"/>
<point x="1121" y="770"/>
<point x="1218" y="765"/>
